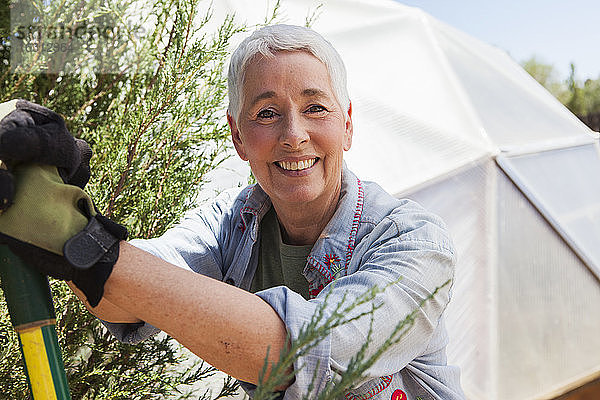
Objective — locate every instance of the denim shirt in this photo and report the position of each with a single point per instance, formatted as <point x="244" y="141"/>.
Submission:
<point x="372" y="239"/>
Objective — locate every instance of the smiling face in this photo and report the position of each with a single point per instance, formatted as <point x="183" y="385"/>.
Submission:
<point x="292" y="129"/>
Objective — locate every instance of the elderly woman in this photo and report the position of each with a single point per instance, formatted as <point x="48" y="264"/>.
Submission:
<point x="234" y="279"/>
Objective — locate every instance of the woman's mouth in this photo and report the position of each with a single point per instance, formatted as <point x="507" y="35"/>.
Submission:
<point x="296" y="165"/>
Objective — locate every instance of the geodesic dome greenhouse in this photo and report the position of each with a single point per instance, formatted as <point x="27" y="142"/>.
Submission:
<point x="460" y="127"/>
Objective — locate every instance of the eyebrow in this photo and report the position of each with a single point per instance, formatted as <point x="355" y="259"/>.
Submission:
<point x="314" y="93"/>
<point x="311" y="92"/>
<point x="266" y="95"/>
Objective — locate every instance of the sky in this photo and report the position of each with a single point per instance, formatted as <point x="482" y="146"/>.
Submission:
<point x="556" y="32"/>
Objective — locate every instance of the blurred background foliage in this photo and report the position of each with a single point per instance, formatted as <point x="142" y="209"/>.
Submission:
<point x="146" y="88"/>
<point x="582" y="97"/>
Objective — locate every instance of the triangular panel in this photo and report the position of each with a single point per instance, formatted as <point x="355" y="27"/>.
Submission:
<point x="548" y="303"/>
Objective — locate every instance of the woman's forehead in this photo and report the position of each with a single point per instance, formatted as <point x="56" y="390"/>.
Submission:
<point x="285" y="60"/>
<point x="298" y="71"/>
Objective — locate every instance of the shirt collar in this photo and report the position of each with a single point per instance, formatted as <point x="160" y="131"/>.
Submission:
<point x="333" y="250"/>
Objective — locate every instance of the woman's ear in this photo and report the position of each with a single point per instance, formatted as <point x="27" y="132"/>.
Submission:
<point x="349" y="129"/>
<point x="236" y="137"/>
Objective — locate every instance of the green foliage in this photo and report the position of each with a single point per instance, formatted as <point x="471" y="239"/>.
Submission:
<point x="546" y="75"/>
<point x="582" y="98"/>
<point x="150" y="102"/>
<point x="590" y="97"/>
<point x="322" y="322"/>
<point x="169" y="130"/>
<point x="13" y="383"/>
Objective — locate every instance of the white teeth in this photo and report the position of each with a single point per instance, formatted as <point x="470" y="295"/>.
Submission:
<point x="296" y="166"/>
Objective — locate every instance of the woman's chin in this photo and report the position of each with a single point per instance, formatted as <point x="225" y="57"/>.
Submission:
<point x="297" y="195"/>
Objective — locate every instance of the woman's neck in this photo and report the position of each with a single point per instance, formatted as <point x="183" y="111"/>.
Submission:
<point x="301" y="224"/>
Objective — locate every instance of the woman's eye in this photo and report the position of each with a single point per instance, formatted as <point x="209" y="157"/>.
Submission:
<point x="266" y="114"/>
<point x="315" y="108"/>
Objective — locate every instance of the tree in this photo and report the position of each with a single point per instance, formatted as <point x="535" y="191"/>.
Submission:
<point x="148" y="93"/>
<point x="582" y="99"/>
<point x="546" y="75"/>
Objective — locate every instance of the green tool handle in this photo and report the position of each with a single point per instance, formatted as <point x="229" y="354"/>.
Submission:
<point x="32" y="314"/>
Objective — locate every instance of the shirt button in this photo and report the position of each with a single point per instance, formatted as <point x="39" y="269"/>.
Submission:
<point x="230" y="281"/>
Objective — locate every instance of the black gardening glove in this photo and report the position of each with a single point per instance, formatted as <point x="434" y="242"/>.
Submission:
<point x="52" y="223"/>
<point x="30" y="133"/>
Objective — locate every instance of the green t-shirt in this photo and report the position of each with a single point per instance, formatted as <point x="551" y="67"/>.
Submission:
<point x="279" y="263"/>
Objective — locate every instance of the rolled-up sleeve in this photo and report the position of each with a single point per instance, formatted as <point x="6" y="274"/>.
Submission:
<point x="312" y="369"/>
<point x="412" y="266"/>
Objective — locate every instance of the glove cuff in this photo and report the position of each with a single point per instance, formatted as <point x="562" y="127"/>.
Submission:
<point x="93" y="252"/>
<point x="93" y="243"/>
<point x="91" y="281"/>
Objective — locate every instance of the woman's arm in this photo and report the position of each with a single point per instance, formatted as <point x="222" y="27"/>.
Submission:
<point x="105" y="310"/>
<point x="226" y="326"/>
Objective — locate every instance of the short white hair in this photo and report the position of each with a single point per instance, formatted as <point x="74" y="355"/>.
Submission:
<point x="269" y="40"/>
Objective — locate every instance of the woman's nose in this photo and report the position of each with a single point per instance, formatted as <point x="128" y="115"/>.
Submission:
<point x="293" y="134"/>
